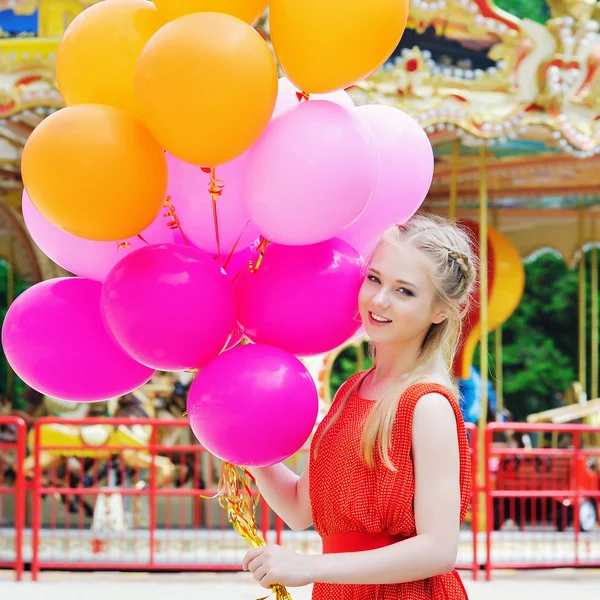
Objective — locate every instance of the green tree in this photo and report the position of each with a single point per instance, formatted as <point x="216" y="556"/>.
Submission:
<point x="536" y="10"/>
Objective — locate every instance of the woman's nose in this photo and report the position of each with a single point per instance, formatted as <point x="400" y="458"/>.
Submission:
<point x="381" y="298"/>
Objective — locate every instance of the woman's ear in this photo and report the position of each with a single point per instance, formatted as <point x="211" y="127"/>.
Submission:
<point x="440" y="315"/>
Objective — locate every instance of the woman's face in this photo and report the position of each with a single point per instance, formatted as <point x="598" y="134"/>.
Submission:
<point x="398" y="301"/>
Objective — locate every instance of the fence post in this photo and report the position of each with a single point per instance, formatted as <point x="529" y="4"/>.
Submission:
<point x="489" y="525"/>
<point x="36" y="517"/>
<point x="20" y="497"/>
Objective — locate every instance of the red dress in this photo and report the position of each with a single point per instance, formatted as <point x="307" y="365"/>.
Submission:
<point x="348" y="496"/>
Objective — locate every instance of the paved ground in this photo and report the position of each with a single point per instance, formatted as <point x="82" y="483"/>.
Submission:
<point x="527" y="585"/>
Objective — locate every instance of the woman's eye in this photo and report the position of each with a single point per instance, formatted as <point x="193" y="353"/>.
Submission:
<point x="405" y="292"/>
<point x="374" y="279"/>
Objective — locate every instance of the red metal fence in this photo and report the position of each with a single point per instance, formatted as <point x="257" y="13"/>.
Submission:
<point x="542" y="501"/>
<point x="125" y="494"/>
<point x="12" y="493"/>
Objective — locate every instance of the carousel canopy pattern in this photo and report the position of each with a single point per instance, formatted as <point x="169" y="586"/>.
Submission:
<point x="468" y="72"/>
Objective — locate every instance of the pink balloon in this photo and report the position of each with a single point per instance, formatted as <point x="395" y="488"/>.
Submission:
<point x="311" y="174"/>
<point x="253" y="406"/>
<point x="84" y="257"/>
<point x="405" y="174"/>
<point x="287" y="98"/>
<point x="171" y="307"/>
<point x="188" y="188"/>
<point x="55" y="339"/>
<point x="302" y="299"/>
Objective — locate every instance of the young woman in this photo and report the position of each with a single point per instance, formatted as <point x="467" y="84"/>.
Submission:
<point x="389" y="477"/>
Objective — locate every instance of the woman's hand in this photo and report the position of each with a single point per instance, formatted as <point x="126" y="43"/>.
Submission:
<point x="273" y="565"/>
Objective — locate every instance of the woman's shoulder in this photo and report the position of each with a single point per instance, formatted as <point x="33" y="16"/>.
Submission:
<point x="351" y="385"/>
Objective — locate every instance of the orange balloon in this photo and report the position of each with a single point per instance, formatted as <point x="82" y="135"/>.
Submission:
<point x="206" y="87"/>
<point x="324" y="46"/>
<point x="247" y="10"/>
<point x="99" y="51"/>
<point x="96" y="172"/>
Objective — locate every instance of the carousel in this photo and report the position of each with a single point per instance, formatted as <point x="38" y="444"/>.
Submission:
<point x="511" y="106"/>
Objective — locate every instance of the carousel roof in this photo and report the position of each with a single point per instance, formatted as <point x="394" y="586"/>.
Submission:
<point x="472" y="75"/>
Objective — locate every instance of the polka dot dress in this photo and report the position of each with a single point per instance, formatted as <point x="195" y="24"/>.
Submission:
<point x="348" y="496"/>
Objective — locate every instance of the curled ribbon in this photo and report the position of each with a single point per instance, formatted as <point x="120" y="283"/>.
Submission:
<point x="215" y="189"/>
<point x="302" y="96"/>
<point x="254" y="266"/>
<point x="123" y="246"/>
<point x="236" y="497"/>
<point x="174" y="222"/>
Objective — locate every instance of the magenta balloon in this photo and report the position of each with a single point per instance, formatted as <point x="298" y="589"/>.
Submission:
<point x="287" y="98"/>
<point x="171" y="307"/>
<point x="405" y="174"/>
<point x="54" y="337"/>
<point x="253" y="406"/>
<point x="188" y="188"/>
<point x="87" y="258"/>
<point x="311" y="174"/>
<point x="302" y="299"/>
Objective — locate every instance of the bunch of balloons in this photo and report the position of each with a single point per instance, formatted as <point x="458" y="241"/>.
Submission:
<point x="200" y="201"/>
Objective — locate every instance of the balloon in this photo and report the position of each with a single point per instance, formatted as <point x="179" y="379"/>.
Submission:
<point x="328" y="46"/>
<point x="206" y="86"/>
<point x="287" y="98"/>
<point x="302" y="299"/>
<point x="95" y="172"/>
<point x="188" y="188"/>
<point x="311" y="174"/>
<point x="253" y="405"/>
<point x="99" y="51"/>
<point x="55" y="339"/>
<point x="84" y="257"/>
<point x="247" y="10"/>
<point x="170" y="306"/>
<point x="405" y="174"/>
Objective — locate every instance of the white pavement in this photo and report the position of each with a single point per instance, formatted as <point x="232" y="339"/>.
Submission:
<point x="526" y="585"/>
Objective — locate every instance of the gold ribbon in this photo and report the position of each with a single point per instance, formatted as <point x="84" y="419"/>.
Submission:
<point x="174" y="222"/>
<point x="215" y="189"/>
<point x="236" y="497"/>
<point x="254" y="266"/>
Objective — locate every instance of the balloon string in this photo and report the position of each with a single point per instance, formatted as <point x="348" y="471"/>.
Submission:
<point x="253" y="267"/>
<point x="235" y="246"/>
<point x="215" y="189"/>
<point x="236" y="497"/>
<point x="174" y="222"/>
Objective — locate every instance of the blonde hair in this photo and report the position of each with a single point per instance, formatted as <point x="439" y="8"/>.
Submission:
<point x="453" y="271"/>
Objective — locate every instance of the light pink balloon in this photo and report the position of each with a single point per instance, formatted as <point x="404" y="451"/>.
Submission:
<point x="311" y="174"/>
<point x="188" y="188"/>
<point x="87" y="258"/>
<point x="287" y="98"/>
<point x="55" y="338"/>
<point x="405" y="174"/>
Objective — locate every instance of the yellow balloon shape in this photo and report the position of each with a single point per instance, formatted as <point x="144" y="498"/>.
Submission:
<point x="328" y="45"/>
<point x="99" y="52"/>
<point x="505" y="292"/>
<point x="206" y="87"/>
<point x="247" y="10"/>
<point x="96" y="172"/>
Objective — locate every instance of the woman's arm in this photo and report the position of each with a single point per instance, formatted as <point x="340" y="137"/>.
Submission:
<point x="437" y="513"/>
<point x="286" y="493"/>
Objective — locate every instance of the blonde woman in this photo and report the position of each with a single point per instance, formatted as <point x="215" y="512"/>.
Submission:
<point x="389" y="477"/>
